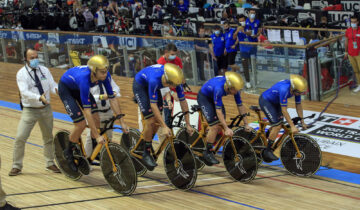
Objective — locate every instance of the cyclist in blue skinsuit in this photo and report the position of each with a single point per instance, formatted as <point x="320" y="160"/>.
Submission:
<point x="210" y="100"/>
<point x="273" y="102"/>
<point x="74" y="91"/>
<point x="146" y="88"/>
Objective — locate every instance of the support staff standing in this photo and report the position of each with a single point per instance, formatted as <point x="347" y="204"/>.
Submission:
<point x="35" y="83"/>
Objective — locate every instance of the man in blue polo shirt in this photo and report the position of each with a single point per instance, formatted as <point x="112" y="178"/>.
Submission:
<point x="252" y="26"/>
<point x="244" y="49"/>
<point x="217" y="50"/>
<point x="230" y="46"/>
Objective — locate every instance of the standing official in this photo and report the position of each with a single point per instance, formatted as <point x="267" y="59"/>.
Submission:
<point x="35" y="83"/>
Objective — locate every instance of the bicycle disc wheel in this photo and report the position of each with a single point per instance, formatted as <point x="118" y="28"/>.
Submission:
<point x="128" y="141"/>
<point x="124" y="180"/>
<point x="183" y="177"/>
<point x="240" y="131"/>
<point x="200" y="145"/>
<point x="61" y="142"/>
<point x="245" y="169"/>
<point x="310" y="159"/>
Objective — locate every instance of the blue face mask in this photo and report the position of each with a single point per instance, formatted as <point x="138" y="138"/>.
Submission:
<point x="34" y="63"/>
<point x="252" y="16"/>
<point x="131" y="58"/>
<point x="172" y="57"/>
<point x="353" y="25"/>
<point x="217" y="32"/>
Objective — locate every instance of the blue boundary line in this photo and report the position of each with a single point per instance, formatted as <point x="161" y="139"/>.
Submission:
<point x="330" y="173"/>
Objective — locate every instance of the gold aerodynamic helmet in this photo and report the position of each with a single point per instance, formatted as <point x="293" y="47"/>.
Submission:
<point x="233" y="80"/>
<point x="298" y="83"/>
<point x="173" y="74"/>
<point x="98" y="62"/>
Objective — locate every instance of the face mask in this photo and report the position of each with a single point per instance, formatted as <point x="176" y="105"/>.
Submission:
<point x="201" y="35"/>
<point x="100" y="9"/>
<point x="217" y="32"/>
<point x="122" y="7"/>
<point x="353" y="25"/>
<point x="252" y="16"/>
<point x="242" y="23"/>
<point x="172" y="57"/>
<point x="34" y="63"/>
<point x="86" y="10"/>
<point x="131" y="58"/>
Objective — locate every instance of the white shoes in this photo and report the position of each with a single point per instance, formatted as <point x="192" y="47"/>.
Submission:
<point x="357" y="89"/>
<point x="248" y="85"/>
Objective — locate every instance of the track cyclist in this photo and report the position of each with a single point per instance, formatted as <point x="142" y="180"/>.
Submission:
<point x="210" y="100"/>
<point x="273" y="102"/>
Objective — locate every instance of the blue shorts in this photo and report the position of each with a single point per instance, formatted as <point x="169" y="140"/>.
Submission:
<point x="72" y="102"/>
<point x="208" y="109"/>
<point x="141" y="94"/>
<point x="272" y="112"/>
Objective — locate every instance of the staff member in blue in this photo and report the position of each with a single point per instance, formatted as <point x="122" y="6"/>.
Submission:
<point x="74" y="91"/>
<point x="273" y="102"/>
<point x="252" y="26"/>
<point x="230" y="46"/>
<point x="210" y="100"/>
<point x="217" y="50"/>
<point x="244" y="49"/>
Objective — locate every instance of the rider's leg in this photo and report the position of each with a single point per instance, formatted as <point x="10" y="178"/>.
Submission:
<point x="275" y="118"/>
<point x="148" y="133"/>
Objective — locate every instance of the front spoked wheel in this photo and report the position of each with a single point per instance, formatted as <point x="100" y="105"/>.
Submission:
<point x="310" y="155"/>
<point x="124" y="179"/>
<point x="243" y="166"/>
<point x="184" y="176"/>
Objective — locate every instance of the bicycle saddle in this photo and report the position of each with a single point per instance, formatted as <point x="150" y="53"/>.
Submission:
<point x="195" y="108"/>
<point x="255" y="108"/>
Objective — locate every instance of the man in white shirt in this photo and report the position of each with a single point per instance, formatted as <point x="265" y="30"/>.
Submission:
<point x="100" y="20"/>
<point x="35" y="83"/>
<point x="104" y="110"/>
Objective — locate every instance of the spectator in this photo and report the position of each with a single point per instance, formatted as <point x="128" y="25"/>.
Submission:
<point x="217" y="50"/>
<point x="230" y="46"/>
<point x="11" y="51"/>
<point x="76" y="6"/>
<point x="352" y="48"/>
<point x="247" y="4"/>
<point x="324" y="24"/>
<point x="89" y="19"/>
<point x="244" y="49"/>
<point x="183" y="6"/>
<point x="113" y="9"/>
<point x="18" y="26"/>
<point x="3" y="204"/>
<point x="41" y="6"/>
<point x="100" y="20"/>
<point x="80" y="20"/>
<point x="167" y="29"/>
<point x="35" y="102"/>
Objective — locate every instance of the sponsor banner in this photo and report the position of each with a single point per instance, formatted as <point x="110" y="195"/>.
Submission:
<point x="334" y="133"/>
<point x="76" y="39"/>
<point x="5" y="35"/>
<point x="53" y="38"/>
<point x="33" y="35"/>
<point x="341" y="16"/>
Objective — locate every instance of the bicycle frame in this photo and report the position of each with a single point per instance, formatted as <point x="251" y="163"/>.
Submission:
<point x="261" y="133"/>
<point x="156" y="154"/>
<point x="219" y="144"/>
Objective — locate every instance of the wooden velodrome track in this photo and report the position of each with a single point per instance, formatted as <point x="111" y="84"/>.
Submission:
<point x="37" y="188"/>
